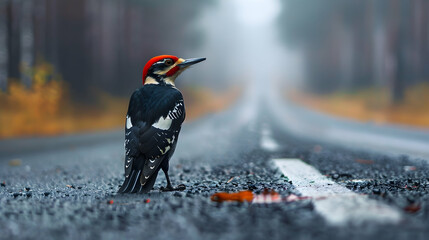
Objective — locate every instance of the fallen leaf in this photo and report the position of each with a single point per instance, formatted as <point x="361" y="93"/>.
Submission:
<point x="15" y="162"/>
<point x="268" y="196"/>
<point x="236" y="197"/>
<point x="364" y="161"/>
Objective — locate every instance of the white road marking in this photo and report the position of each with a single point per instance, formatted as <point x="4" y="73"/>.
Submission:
<point x="337" y="204"/>
<point x="267" y="142"/>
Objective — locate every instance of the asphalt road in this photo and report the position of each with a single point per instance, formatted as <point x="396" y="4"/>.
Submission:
<point x="65" y="187"/>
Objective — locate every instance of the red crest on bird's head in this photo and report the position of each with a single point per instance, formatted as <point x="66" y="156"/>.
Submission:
<point x="154" y="60"/>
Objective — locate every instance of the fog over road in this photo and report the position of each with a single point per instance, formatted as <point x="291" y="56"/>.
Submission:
<point x="63" y="185"/>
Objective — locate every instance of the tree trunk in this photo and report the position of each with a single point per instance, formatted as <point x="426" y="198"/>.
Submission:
<point x="74" y="63"/>
<point x="27" y="42"/>
<point x="397" y="51"/>
<point x="400" y="48"/>
<point x="13" y="38"/>
<point x="51" y="33"/>
<point x="39" y="47"/>
<point x="3" y="46"/>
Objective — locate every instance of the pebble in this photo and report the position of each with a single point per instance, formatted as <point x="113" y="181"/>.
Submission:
<point x="376" y="191"/>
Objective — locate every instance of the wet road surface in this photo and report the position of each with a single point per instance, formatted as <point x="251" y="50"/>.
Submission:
<point x="65" y="187"/>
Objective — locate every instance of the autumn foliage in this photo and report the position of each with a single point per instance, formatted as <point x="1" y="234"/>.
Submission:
<point x="373" y="105"/>
<point x="45" y="109"/>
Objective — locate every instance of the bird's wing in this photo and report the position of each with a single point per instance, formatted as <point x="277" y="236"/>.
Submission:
<point x="158" y="140"/>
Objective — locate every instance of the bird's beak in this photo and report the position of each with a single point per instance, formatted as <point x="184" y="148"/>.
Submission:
<point x="190" y="61"/>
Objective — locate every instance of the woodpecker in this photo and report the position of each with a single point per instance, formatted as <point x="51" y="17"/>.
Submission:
<point x="155" y="115"/>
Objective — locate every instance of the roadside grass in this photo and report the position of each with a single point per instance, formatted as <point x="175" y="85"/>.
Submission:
<point x="45" y="111"/>
<point x="372" y="105"/>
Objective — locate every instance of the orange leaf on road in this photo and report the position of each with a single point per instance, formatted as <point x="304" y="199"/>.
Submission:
<point x="237" y="197"/>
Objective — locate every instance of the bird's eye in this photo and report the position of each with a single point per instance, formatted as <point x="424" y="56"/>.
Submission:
<point x="168" y="61"/>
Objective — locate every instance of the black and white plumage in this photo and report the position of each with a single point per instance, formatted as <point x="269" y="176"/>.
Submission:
<point x="154" y="119"/>
<point x="155" y="115"/>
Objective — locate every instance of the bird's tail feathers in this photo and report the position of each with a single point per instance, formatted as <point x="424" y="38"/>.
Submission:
<point x="148" y="185"/>
<point x="132" y="182"/>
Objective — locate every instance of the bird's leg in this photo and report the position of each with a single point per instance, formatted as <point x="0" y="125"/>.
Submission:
<point x="170" y="187"/>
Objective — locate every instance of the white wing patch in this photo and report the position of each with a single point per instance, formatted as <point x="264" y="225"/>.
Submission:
<point x="129" y="124"/>
<point x="163" y="123"/>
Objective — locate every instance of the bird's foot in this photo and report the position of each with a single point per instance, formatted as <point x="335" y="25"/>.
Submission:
<point x="170" y="188"/>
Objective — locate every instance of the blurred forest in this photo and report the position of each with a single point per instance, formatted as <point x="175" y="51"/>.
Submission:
<point x="95" y="44"/>
<point x="69" y="66"/>
<point x="366" y="60"/>
<point x="350" y="45"/>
